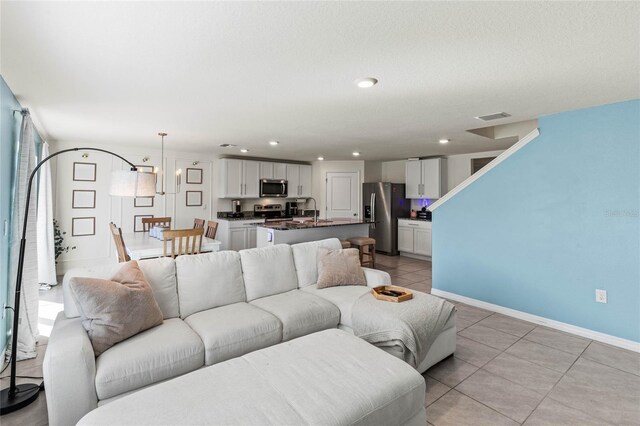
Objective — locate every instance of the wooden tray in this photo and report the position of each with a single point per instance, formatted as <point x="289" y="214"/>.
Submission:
<point x="378" y="294"/>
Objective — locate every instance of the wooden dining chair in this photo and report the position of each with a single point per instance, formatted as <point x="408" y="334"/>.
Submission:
<point x="198" y="223"/>
<point x="150" y="222"/>
<point x="119" y="241"/>
<point x="183" y="241"/>
<point x="212" y="229"/>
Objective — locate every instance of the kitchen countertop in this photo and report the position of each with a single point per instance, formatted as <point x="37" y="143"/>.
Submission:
<point x="309" y="224"/>
<point x="414" y="218"/>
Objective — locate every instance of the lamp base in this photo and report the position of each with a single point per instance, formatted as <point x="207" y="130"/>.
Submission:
<point x="25" y="394"/>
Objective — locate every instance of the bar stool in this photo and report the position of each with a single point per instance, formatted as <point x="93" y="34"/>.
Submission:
<point x="345" y="244"/>
<point x="365" y="242"/>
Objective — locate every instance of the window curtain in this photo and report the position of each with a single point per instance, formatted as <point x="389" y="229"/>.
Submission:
<point x="28" y="322"/>
<point x="46" y="253"/>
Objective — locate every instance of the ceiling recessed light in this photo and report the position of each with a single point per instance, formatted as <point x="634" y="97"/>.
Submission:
<point x="444" y="141"/>
<point x="273" y="143"/>
<point x="227" y="145"/>
<point x="355" y="154"/>
<point x="365" y="83"/>
<point x="320" y="158"/>
<point x="244" y="150"/>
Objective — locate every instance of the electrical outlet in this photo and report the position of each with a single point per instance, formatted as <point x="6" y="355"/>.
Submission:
<point x="601" y="296"/>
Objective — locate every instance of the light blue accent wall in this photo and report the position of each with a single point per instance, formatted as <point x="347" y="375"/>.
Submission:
<point x="9" y="133"/>
<point x="558" y="219"/>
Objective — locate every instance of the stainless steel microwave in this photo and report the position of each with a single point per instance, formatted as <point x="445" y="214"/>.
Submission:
<point x="273" y="188"/>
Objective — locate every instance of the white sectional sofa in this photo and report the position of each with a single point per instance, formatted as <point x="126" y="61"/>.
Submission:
<point x="216" y="306"/>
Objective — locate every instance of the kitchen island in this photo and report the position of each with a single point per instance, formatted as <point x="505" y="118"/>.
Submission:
<point x="292" y="232"/>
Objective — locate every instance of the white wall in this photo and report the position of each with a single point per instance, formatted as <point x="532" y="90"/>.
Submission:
<point x="319" y="174"/>
<point x="99" y="248"/>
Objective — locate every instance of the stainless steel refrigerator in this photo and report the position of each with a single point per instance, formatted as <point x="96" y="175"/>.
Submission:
<point x="384" y="203"/>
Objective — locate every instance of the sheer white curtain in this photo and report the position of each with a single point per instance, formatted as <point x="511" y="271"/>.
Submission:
<point x="46" y="253"/>
<point x="28" y="324"/>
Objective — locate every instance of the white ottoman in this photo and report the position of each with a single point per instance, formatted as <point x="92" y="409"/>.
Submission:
<point x="327" y="378"/>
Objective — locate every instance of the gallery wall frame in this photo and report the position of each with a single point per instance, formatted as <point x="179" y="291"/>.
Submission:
<point x="83" y="226"/>
<point x="194" y="176"/>
<point x="84" y="172"/>
<point x="193" y="198"/>
<point x="143" y="202"/>
<point x="83" y="199"/>
<point x="137" y="222"/>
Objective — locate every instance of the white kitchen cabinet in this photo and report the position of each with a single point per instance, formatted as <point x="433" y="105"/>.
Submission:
<point x="237" y="234"/>
<point x="266" y="170"/>
<point x="299" y="178"/>
<point x="279" y="171"/>
<point x="425" y="178"/>
<point x="414" y="237"/>
<point x="251" y="172"/>
<point x="305" y="181"/>
<point x="239" y="178"/>
<point x="405" y="239"/>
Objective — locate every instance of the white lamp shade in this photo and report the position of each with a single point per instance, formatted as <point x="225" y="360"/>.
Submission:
<point x="128" y="183"/>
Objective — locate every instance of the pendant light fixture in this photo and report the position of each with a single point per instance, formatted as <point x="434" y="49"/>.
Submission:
<point x="155" y="171"/>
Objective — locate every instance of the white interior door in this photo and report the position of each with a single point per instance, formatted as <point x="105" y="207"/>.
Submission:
<point x="343" y="195"/>
<point x="194" y="199"/>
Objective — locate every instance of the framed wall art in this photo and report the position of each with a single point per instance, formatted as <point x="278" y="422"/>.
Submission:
<point x="83" y="226"/>
<point x="194" y="198"/>
<point x="194" y="176"/>
<point x="137" y="222"/>
<point x="84" y="172"/>
<point x="83" y="199"/>
<point x="143" y="202"/>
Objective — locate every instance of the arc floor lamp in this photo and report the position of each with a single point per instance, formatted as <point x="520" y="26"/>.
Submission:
<point x="123" y="184"/>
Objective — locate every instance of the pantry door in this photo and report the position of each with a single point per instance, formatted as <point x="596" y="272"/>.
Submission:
<point x="343" y="195"/>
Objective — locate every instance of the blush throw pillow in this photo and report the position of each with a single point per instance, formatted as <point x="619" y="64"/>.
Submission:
<point x="114" y="310"/>
<point x="339" y="267"/>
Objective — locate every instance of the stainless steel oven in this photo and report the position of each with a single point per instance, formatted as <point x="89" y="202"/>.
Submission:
<point x="274" y="188"/>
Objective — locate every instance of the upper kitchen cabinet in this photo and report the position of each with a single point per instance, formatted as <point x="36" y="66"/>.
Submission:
<point x="299" y="178"/>
<point x="266" y="170"/>
<point x="239" y="178"/>
<point x="426" y="178"/>
<point x="279" y="171"/>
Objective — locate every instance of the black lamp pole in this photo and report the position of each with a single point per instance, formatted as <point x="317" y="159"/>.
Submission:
<point x="15" y="396"/>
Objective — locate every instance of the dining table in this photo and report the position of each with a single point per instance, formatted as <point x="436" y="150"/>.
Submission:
<point x="140" y="245"/>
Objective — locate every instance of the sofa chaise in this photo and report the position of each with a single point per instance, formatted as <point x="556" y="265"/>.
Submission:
<point x="216" y="306"/>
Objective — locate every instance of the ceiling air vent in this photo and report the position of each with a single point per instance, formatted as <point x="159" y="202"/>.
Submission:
<point x="227" y="145"/>
<point x="495" y="116"/>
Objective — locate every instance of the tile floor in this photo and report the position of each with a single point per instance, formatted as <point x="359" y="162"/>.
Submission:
<point x="504" y="372"/>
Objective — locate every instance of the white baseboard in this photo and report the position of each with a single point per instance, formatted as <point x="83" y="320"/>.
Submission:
<point x="562" y="326"/>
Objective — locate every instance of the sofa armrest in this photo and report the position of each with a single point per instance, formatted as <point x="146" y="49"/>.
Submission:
<point x="69" y="369"/>
<point x="376" y="277"/>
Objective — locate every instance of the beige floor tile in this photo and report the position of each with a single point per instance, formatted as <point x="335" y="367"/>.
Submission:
<point x="32" y="362"/>
<point x="552" y="413"/>
<point x="418" y="276"/>
<point x="490" y="337"/>
<point x="525" y="373"/>
<point x="600" y="391"/>
<point x="401" y="282"/>
<point x="473" y="352"/>
<point x="412" y="267"/>
<point x="456" y="409"/>
<point x="507" y="324"/>
<point x="424" y="286"/>
<point x="613" y="357"/>
<point x="508" y="398"/>
<point x="544" y="356"/>
<point x="451" y="371"/>
<point x="34" y="414"/>
<point x="435" y="390"/>
<point x="558" y="340"/>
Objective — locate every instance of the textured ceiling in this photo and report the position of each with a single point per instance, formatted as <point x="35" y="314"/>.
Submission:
<point x="244" y="73"/>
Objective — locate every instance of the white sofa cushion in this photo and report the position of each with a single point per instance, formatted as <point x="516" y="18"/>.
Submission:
<point x="268" y="271"/>
<point x="168" y="350"/>
<point x="305" y="257"/>
<point x="234" y="330"/>
<point x="160" y="273"/>
<point x="300" y="312"/>
<point x="342" y="296"/>
<point x="336" y="381"/>
<point x="209" y="280"/>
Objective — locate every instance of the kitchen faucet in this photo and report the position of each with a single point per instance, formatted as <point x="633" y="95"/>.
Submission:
<point x="315" y="210"/>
